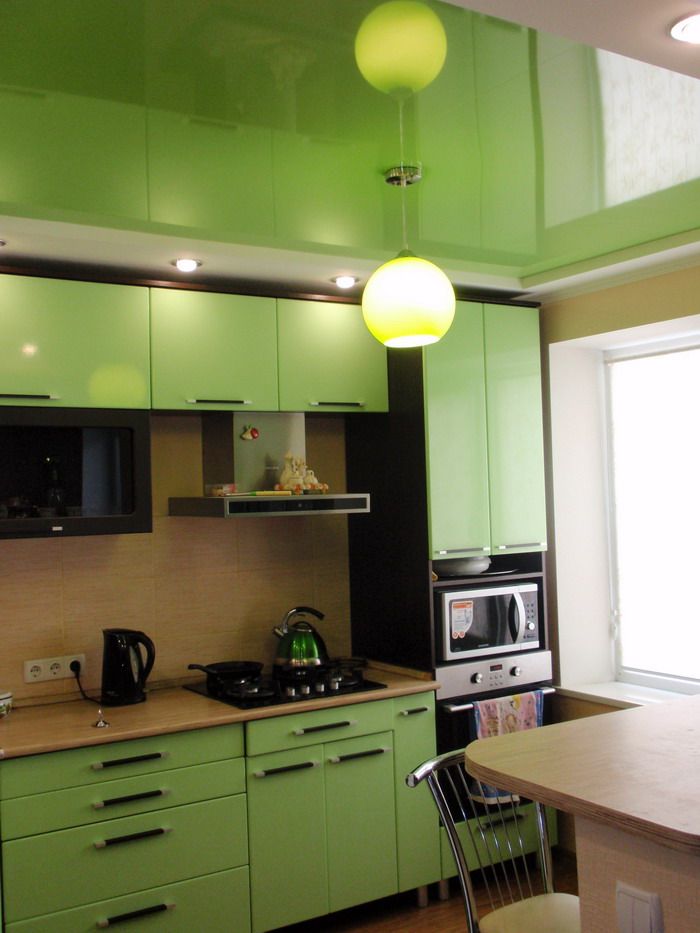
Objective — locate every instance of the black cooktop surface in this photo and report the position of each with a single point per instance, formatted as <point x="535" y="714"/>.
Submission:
<point x="268" y="691"/>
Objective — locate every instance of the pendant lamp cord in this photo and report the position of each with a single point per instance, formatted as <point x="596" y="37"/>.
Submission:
<point x="403" y="177"/>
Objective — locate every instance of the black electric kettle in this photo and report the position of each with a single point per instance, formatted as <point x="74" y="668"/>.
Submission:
<point x="124" y="670"/>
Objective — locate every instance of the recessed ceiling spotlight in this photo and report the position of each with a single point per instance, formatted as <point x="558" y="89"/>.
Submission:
<point x="687" y="29"/>
<point x="187" y="265"/>
<point x="345" y="281"/>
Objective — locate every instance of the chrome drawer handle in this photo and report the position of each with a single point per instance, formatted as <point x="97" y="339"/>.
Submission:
<point x="316" y="403"/>
<point x="505" y="547"/>
<point x="300" y="767"/>
<point x="218" y="401"/>
<point x="330" y="725"/>
<point x="134" y="759"/>
<point x="132" y="915"/>
<point x="339" y="759"/>
<point x="416" y="709"/>
<point x="464" y="550"/>
<point x="132" y="837"/>
<point x="29" y="395"/>
<point x="129" y="798"/>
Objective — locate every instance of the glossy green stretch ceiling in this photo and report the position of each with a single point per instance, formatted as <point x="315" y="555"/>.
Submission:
<point x="247" y="121"/>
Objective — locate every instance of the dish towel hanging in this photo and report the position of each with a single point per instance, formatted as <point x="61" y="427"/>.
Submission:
<point x="499" y="716"/>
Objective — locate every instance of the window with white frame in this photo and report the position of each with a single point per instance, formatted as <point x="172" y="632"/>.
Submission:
<point x="654" y="461"/>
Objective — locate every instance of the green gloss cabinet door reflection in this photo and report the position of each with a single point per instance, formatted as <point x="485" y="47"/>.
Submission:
<point x="328" y="360"/>
<point x="72" y="153"/>
<point x="288" y="854"/>
<point x="210" y="174"/>
<point x="73" y="344"/>
<point x="213" y="351"/>
<point x="455" y="414"/>
<point x="417" y="828"/>
<point x="361" y="821"/>
<point x="515" y="444"/>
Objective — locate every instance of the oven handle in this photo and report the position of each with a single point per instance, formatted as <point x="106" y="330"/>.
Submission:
<point x="465" y="707"/>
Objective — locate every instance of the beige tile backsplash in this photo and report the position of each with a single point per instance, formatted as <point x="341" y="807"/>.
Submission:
<point x="203" y="589"/>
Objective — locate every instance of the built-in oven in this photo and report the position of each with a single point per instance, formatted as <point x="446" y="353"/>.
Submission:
<point x="481" y="678"/>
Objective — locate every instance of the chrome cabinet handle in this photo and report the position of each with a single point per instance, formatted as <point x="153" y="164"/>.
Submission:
<point x="218" y="401"/>
<point x="132" y="837"/>
<point x="133" y="759"/>
<point x="352" y="756"/>
<point x="331" y="725"/>
<point x="132" y="915"/>
<point x="416" y="709"/>
<point x="505" y="547"/>
<point x="29" y="395"/>
<point x="318" y="402"/>
<point x="283" y="770"/>
<point x="464" y="550"/>
<point x="129" y="798"/>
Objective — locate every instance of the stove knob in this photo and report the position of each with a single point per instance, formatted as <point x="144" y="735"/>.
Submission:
<point x="305" y="690"/>
<point x="477" y="678"/>
<point x="320" y="687"/>
<point x="516" y="671"/>
<point x="290" y="690"/>
<point x="335" y="683"/>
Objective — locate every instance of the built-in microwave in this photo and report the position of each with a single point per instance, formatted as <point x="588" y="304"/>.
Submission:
<point x="479" y="621"/>
<point x="74" y="471"/>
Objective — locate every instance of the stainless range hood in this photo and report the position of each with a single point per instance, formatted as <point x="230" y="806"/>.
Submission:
<point x="255" y="466"/>
<point x="241" y="506"/>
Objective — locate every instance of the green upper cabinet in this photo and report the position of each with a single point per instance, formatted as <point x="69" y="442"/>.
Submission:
<point x="328" y="360"/>
<point x="73" y="344"/>
<point x="455" y="418"/>
<point x="483" y="408"/>
<point x="213" y="351"/>
<point x="68" y="153"/>
<point x="515" y="445"/>
<point x="209" y="174"/>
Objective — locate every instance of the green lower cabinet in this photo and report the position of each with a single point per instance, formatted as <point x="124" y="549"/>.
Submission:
<point x="486" y="850"/>
<point x="417" y="827"/>
<point x="122" y="856"/>
<point x="360" y="820"/>
<point x="217" y="903"/>
<point x="288" y="854"/>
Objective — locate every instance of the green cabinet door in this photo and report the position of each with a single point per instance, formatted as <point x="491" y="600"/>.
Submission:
<point x="417" y="825"/>
<point x="361" y="820"/>
<point x="73" y="344"/>
<point x="328" y="360"/>
<point x="287" y="838"/>
<point x="71" y="153"/>
<point x="455" y="417"/>
<point x="515" y="446"/>
<point x="213" y="351"/>
<point x="210" y="174"/>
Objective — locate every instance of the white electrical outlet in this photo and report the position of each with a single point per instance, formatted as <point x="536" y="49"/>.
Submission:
<point x="52" y="668"/>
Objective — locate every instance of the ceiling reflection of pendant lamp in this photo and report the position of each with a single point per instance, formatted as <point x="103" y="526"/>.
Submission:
<point x="400" y="48"/>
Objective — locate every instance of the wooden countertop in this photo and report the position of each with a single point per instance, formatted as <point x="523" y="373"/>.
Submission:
<point x="32" y="730"/>
<point x="635" y="769"/>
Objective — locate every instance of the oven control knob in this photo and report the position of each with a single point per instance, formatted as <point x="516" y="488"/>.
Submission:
<point x="516" y="671"/>
<point x="477" y="678"/>
<point x="529" y="626"/>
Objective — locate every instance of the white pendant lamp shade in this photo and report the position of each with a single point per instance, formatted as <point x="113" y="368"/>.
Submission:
<point x="408" y="302"/>
<point x="401" y="46"/>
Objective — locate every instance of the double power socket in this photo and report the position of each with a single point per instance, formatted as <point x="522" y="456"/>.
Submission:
<point x="52" y="668"/>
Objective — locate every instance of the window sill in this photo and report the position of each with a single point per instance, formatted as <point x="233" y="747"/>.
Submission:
<point x="614" y="693"/>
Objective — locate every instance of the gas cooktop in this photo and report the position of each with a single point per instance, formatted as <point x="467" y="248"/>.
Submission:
<point x="290" y="686"/>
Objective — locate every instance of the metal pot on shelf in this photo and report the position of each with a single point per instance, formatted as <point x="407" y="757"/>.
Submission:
<point x="300" y="646"/>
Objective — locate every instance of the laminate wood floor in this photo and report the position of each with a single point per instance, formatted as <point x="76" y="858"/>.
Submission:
<point x="401" y="915"/>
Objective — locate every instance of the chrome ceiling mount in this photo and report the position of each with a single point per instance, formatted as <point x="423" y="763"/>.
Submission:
<point x="403" y="175"/>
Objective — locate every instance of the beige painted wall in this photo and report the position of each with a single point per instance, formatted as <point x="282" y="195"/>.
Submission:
<point x="204" y="589"/>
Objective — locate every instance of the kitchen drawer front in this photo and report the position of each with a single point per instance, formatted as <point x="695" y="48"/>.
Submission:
<point x="78" y="806"/>
<point x="37" y="774"/>
<point x="91" y="863"/>
<point x="217" y="903"/>
<point x="323" y="725"/>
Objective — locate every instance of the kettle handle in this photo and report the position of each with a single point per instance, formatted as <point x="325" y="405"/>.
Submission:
<point x="143" y="639"/>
